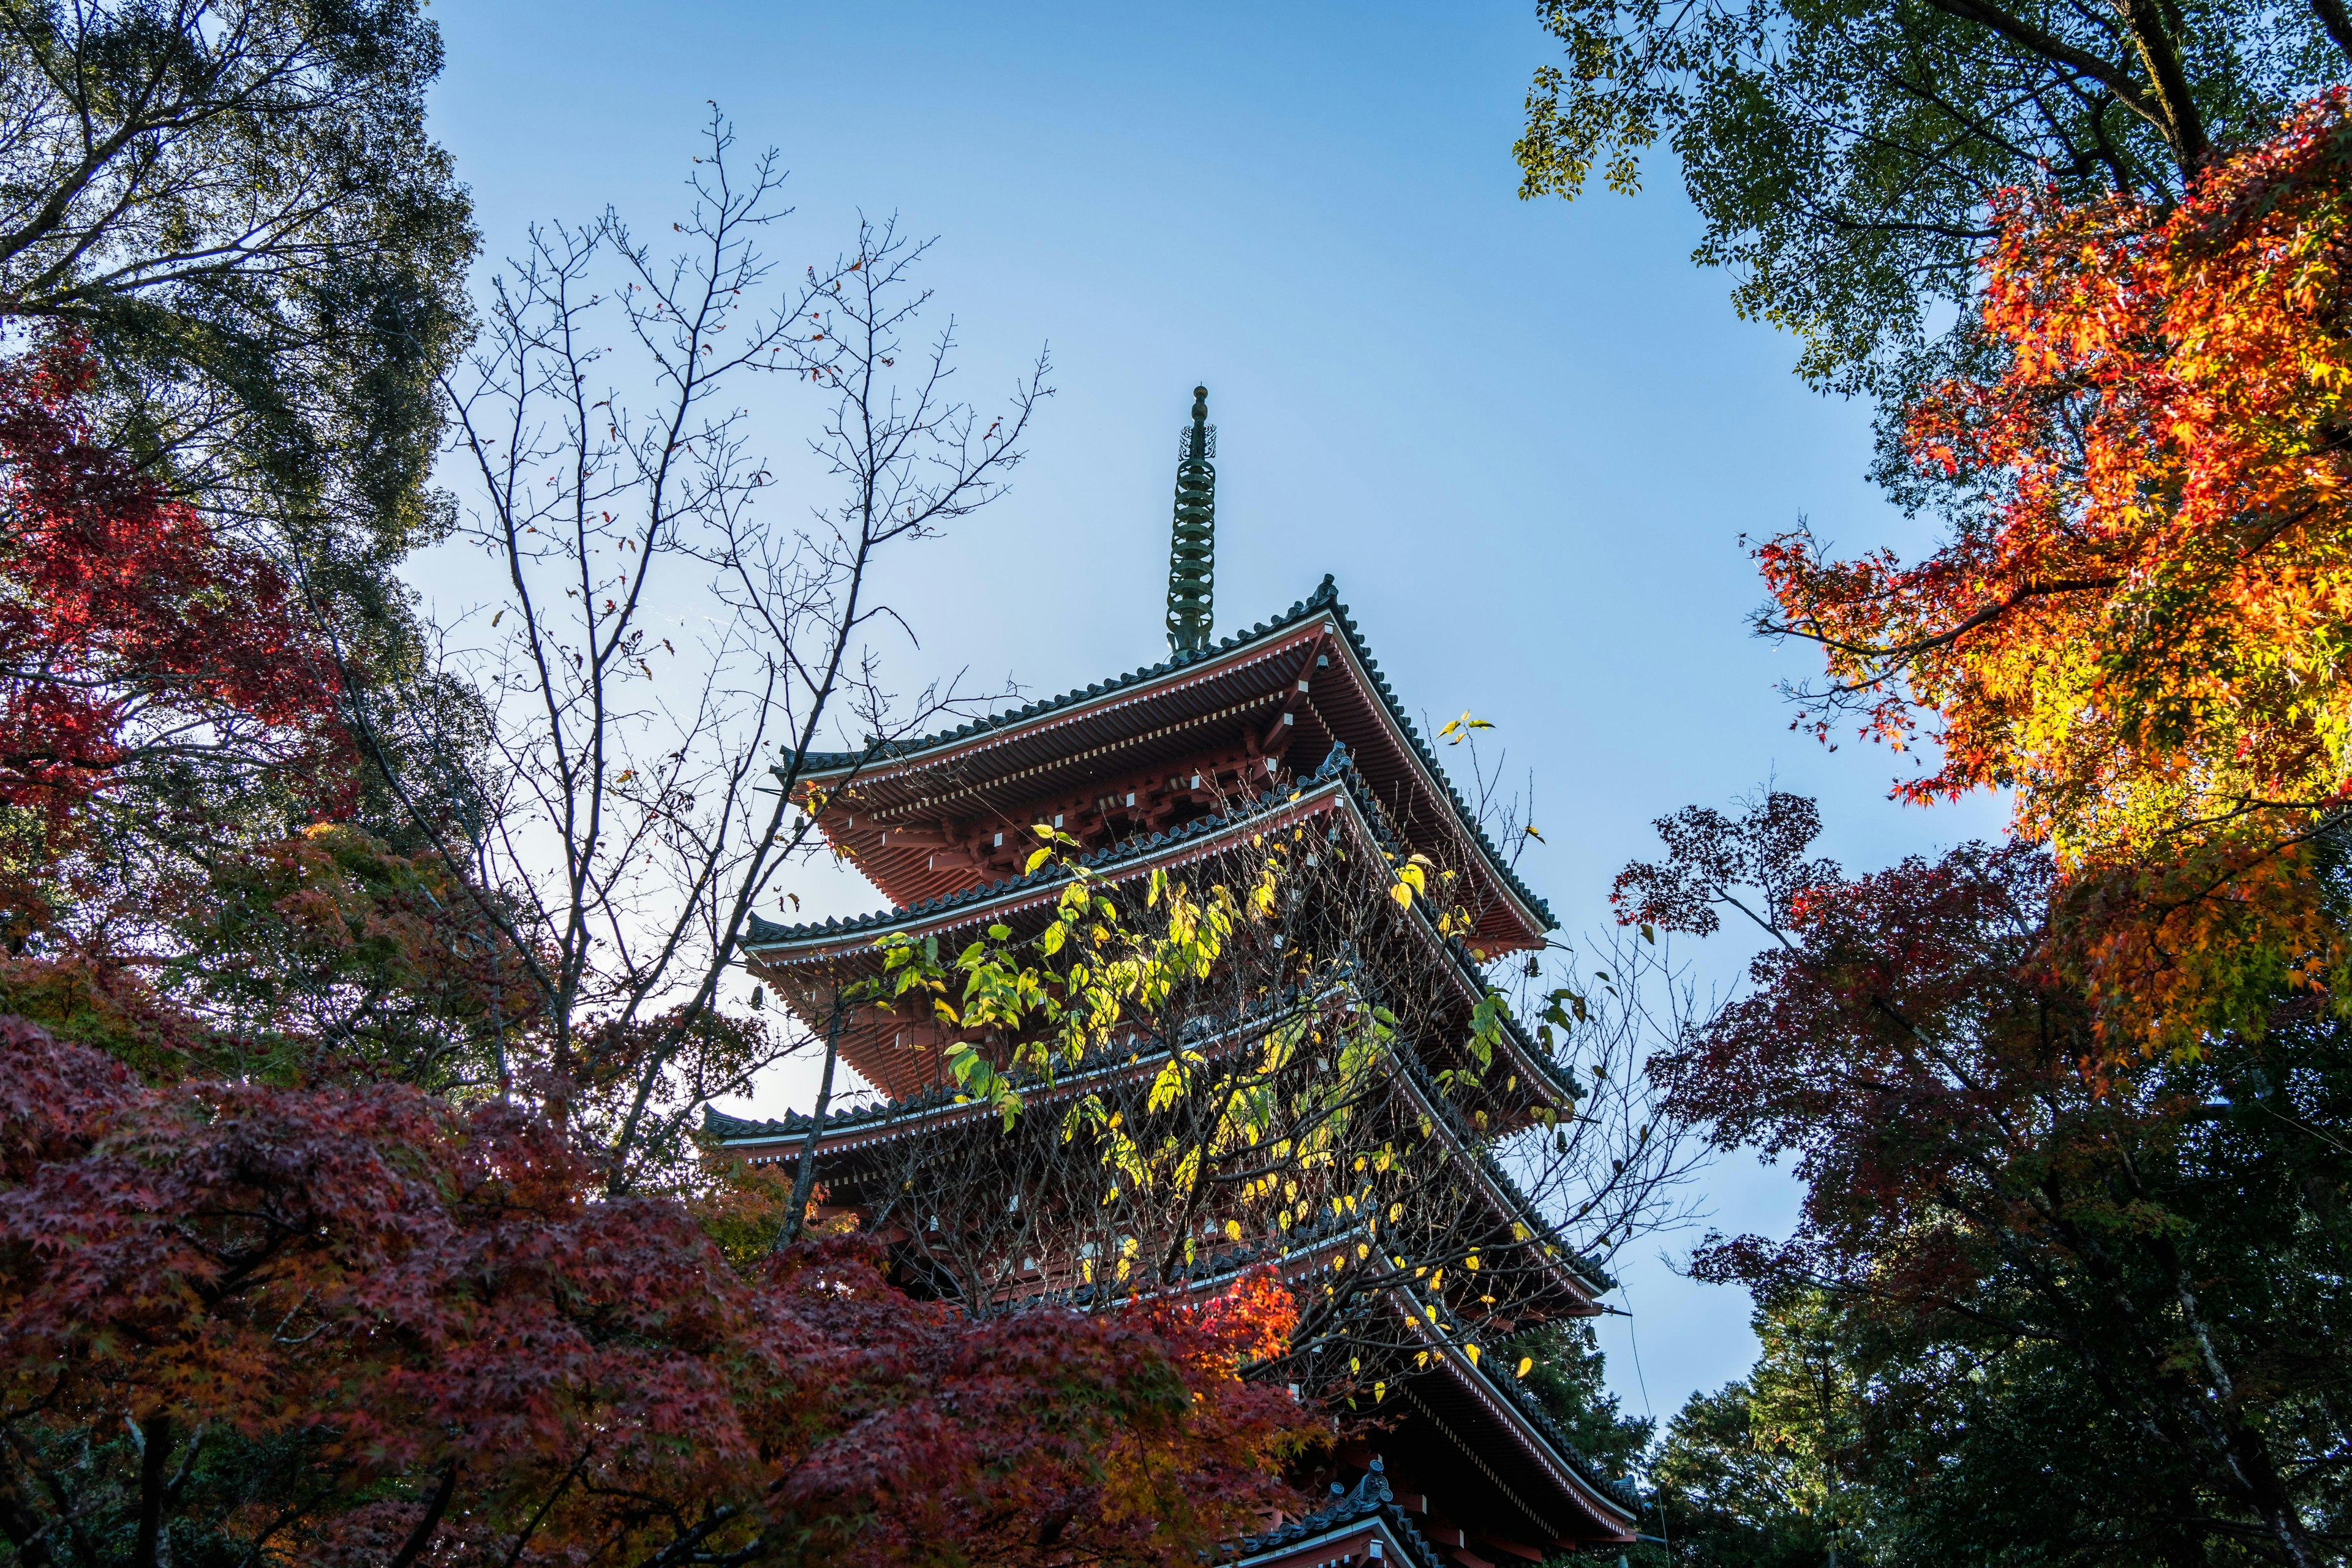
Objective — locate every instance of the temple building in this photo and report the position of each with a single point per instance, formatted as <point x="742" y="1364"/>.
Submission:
<point x="1393" y="1199"/>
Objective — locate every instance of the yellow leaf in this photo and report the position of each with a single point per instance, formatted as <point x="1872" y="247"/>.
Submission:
<point x="1524" y="1362"/>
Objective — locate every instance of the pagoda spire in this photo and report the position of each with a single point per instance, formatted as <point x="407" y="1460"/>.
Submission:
<point x="1192" y="559"/>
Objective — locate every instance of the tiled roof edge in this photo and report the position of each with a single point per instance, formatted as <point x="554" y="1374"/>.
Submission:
<point x="1370" y="1498"/>
<point x="1469" y="1141"/>
<point x="1336" y="766"/>
<point x="720" y="1125"/>
<point x="1325" y="597"/>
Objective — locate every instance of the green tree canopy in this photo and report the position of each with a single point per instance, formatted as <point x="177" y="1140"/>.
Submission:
<point x="1842" y="154"/>
<point x="237" y="203"/>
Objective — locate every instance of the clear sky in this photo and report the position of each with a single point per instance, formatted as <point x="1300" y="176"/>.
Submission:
<point x="1525" y="436"/>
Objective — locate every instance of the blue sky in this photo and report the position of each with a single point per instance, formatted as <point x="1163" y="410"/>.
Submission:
<point x="1525" y="436"/>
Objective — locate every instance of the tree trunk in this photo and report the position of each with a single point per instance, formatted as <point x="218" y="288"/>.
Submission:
<point x="422" y="1536"/>
<point x="805" y="1179"/>
<point x="2157" y="53"/>
<point x="20" y="1522"/>
<point x="2333" y="17"/>
<point x="153" y="1548"/>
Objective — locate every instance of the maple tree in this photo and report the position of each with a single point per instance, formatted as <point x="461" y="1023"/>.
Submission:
<point x="345" y="1323"/>
<point x="2144" y="633"/>
<point x="2161" y="1235"/>
<point x="2140" y="629"/>
<point x="236" y="208"/>
<point x="131" y="630"/>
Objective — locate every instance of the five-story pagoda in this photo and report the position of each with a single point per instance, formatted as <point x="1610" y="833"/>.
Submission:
<point x="1333" y="1090"/>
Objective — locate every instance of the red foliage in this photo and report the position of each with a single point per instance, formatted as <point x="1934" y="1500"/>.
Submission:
<point x="1889" y="1036"/>
<point x="128" y="624"/>
<point x="2144" y="630"/>
<point x="363" y="1291"/>
<point x="1252" y="1321"/>
<point x="1990" y="1197"/>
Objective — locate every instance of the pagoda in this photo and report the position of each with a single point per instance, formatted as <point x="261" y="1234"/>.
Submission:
<point x="1285" y="733"/>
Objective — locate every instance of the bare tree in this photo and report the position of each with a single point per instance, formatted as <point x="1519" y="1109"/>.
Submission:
<point x="663" y="652"/>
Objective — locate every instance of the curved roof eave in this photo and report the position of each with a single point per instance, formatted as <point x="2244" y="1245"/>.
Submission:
<point x="1370" y="1504"/>
<point x="1334" y="776"/>
<point x="1325" y="600"/>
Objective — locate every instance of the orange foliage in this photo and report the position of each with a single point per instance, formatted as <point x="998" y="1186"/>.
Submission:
<point x="2148" y="632"/>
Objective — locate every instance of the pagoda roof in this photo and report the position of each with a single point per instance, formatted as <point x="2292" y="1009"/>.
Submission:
<point x="852" y="1130"/>
<point x="767" y="934"/>
<point x="1084" y="724"/>
<point x="835" y="939"/>
<point x="1370" y="1506"/>
<point x="1610" y="1503"/>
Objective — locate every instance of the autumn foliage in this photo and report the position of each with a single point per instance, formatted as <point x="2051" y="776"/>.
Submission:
<point x="130" y="627"/>
<point x="2141" y="624"/>
<point x="306" y="1248"/>
<point x="329" y="1321"/>
<point x="2144" y="630"/>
